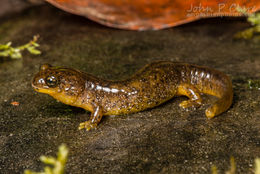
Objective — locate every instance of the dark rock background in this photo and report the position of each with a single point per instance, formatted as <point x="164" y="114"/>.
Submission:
<point x="165" y="139"/>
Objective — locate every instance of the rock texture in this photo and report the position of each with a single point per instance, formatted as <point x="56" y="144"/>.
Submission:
<point x="165" y="139"/>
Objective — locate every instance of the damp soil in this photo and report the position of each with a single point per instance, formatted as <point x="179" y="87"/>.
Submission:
<point x="165" y="139"/>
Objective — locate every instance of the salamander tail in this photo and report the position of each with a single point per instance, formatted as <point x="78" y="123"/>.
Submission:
<point x="221" y="105"/>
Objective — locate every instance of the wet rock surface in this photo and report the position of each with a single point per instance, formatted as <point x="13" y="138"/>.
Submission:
<point x="165" y="139"/>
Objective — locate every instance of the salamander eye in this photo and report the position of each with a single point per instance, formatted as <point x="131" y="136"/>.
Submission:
<point x="51" y="81"/>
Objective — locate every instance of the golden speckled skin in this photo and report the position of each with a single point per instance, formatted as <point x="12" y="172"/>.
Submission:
<point x="152" y="85"/>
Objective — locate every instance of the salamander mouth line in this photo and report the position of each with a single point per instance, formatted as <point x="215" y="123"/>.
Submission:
<point x="35" y="87"/>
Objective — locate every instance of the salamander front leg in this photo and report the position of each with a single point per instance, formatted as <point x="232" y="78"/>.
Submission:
<point x="95" y="118"/>
<point x="193" y="93"/>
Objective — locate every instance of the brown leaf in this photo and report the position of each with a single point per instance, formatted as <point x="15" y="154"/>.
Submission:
<point x="153" y="14"/>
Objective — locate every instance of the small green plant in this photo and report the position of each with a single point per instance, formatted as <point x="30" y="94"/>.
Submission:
<point x="57" y="163"/>
<point x="254" y="84"/>
<point x="257" y="166"/>
<point x="232" y="169"/>
<point x="214" y="170"/>
<point x="6" y="50"/>
<point x="254" y="19"/>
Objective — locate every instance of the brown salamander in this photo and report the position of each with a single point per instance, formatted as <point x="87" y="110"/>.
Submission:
<point x="152" y="85"/>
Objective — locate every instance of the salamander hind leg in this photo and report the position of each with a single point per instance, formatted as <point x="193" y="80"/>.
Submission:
<point x="192" y="93"/>
<point x="95" y="118"/>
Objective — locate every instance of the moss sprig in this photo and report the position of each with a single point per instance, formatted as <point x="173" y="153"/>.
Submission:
<point x="6" y="50"/>
<point x="254" y="20"/>
<point x="254" y="84"/>
<point x="57" y="163"/>
<point x="232" y="169"/>
<point x="257" y="166"/>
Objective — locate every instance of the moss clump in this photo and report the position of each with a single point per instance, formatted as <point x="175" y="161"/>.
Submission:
<point x="57" y="163"/>
<point x="6" y="50"/>
<point x="232" y="169"/>
<point x="254" y="84"/>
<point x="257" y="166"/>
<point x="254" y="20"/>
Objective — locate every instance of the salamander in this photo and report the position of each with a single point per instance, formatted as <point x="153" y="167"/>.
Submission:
<point x="151" y="86"/>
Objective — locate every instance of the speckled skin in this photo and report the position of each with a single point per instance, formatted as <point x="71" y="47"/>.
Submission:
<point x="152" y="85"/>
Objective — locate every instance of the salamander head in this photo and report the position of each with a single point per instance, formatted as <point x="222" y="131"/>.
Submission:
<point x="64" y="84"/>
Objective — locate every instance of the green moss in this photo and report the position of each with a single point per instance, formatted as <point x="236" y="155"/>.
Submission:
<point x="254" y="84"/>
<point x="6" y="50"/>
<point x="254" y="20"/>
<point x="232" y="169"/>
<point x="257" y="166"/>
<point x="57" y="163"/>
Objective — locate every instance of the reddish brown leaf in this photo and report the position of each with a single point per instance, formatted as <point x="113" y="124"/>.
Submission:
<point x="152" y="14"/>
